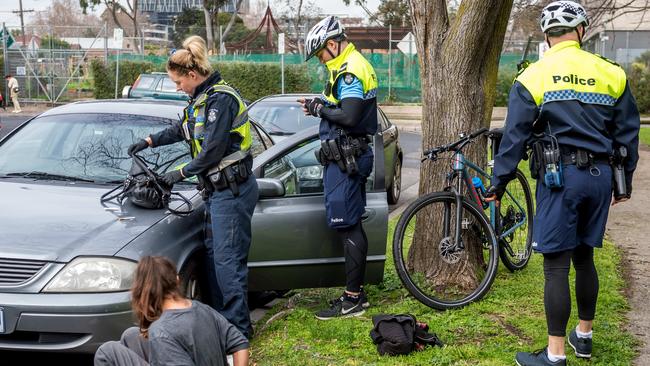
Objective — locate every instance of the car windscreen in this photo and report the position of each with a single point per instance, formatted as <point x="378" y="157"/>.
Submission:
<point x="280" y="117"/>
<point x="89" y="147"/>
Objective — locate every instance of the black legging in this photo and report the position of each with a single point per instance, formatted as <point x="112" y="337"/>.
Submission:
<point x="355" y="248"/>
<point x="557" y="298"/>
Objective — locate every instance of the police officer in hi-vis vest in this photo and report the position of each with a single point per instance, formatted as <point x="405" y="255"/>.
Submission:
<point x="575" y="111"/>
<point x="348" y="112"/>
<point x="216" y="126"/>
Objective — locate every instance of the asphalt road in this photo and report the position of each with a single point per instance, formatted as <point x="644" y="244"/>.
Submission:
<point x="11" y="121"/>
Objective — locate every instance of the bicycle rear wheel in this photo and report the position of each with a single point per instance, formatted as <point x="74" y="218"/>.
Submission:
<point x="425" y="259"/>
<point x="516" y="208"/>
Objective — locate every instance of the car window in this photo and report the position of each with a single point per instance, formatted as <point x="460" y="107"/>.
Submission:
<point x="258" y="145"/>
<point x="167" y="85"/>
<point x="383" y="121"/>
<point x="281" y="117"/>
<point x="300" y="172"/>
<point x="87" y="146"/>
<point x="146" y="82"/>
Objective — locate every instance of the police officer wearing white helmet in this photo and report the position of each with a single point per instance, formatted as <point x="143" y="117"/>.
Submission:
<point x="575" y="110"/>
<point x="348" y="112"/>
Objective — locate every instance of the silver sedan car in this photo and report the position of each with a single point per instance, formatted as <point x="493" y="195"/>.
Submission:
<point x="67" y="262"/>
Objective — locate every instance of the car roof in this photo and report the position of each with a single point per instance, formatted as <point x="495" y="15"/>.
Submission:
<point x="285" y="97"/>
<point x="145" y="107"/>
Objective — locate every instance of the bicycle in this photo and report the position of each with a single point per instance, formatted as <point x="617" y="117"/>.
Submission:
<point x="466" y="239"/>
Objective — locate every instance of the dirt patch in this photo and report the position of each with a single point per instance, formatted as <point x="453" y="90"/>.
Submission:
<point x="628" y="228"/>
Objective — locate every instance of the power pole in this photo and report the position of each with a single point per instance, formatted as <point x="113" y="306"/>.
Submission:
<point x="22" y="22"/>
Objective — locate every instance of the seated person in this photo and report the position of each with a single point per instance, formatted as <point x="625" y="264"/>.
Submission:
<point x="173" y="329"/>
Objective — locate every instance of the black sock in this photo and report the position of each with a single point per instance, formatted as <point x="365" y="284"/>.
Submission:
<point x="351" y="298"/>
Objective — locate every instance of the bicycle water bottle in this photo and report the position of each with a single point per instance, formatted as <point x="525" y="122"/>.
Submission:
<point x="480" y="190"/>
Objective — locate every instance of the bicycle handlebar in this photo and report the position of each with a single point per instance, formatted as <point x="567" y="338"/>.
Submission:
<point x="453" y="146"/>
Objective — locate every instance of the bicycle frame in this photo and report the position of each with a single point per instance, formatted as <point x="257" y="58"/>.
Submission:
<point x="460" y="169"/>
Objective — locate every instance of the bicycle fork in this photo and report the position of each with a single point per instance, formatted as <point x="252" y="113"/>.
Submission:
<point x="458" y="167"/>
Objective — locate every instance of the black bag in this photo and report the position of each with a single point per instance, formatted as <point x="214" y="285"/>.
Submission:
<point x="401" y="334"/>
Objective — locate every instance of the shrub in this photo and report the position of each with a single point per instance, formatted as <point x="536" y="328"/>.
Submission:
<point x="639" y="78"/>
<point x="504" y="83"/>
<point x="253" y="80"/>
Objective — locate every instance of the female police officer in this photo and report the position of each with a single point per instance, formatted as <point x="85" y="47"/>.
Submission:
<point x="216" y="127"/>
<point x="585" y="108"/>
<point x="349" y="115"/>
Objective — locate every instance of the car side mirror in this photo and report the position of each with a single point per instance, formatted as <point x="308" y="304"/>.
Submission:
<point x="270" y="187"/>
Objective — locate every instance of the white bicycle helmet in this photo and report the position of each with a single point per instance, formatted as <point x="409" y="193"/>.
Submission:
<point x="326" y="29"/>
<point x="563" y="14"/>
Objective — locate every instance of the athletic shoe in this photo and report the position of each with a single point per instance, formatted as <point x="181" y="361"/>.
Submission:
<point x="537" y="358"/>
<point x="582" y="346"/>
<point x="363" y="299"/>
<point x="341" y="309"/>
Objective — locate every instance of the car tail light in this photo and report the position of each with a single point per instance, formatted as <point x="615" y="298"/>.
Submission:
<point x="137" y="81"/>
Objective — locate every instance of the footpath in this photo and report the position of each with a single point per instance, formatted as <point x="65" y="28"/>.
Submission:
<point x="626" y="227"/>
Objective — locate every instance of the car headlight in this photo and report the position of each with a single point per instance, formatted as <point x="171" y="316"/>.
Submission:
<point x="310" y="172"/>
<point x="93" y="274"/>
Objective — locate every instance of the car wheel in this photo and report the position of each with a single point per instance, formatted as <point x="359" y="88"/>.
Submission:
<point x="193" y="280"/>
<point x="395" y="188"/>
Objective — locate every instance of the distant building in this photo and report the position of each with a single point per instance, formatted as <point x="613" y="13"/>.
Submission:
<point x="621" y="37"/>
<point x="165" y="11"/>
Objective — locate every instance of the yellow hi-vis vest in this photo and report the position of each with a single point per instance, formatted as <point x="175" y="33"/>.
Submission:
<point x="568" y="73"/>
<point x="241" y="125"/>
<point x="350" y="61"/>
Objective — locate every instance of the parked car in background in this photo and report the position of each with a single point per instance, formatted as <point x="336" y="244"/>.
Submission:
<point x="156" y="85"/>
<point x="281" y="116"/>
<point x="67" y="261"/>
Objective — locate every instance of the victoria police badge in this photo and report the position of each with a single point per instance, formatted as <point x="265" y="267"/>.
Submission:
<point x="212" y="115"/>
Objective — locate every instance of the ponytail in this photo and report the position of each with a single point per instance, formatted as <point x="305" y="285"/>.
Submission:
<point x="192" y="57"/>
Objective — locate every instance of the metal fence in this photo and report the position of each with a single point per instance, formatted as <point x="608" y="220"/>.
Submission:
<point x="53" y="66"/>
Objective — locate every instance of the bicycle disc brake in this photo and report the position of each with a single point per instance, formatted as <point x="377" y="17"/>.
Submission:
<point x="448" y="250"/>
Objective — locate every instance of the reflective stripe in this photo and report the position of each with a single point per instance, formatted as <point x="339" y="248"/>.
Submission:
<point x="352" y="62"/>
<point x="196" y="111"/>
<point x="588" y="98"/>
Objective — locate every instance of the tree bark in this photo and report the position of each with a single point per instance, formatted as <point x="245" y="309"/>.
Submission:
<point x="458" y="69"/>
<point x="208" y="25"/>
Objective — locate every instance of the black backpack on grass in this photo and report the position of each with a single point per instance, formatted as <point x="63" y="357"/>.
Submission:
<point x="401" y="334"/>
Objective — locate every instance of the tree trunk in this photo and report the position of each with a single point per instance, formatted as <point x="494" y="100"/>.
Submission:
<point x="208" y="26"/>
<point x="458" y="69"/>
<point x="230" y="22"/>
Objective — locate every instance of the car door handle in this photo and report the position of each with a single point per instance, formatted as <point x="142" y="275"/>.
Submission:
<point x="368" y="214"/>
<point x="155" y="94"/>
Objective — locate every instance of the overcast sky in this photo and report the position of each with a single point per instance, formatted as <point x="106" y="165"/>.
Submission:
<point x="336" y="7"/>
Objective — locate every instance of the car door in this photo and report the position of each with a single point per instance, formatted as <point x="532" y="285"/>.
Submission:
<point x="292" y="245"/>
<point x="389" y="134"/>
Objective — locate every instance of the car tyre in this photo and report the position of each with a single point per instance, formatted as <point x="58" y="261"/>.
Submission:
<point x="395" y="188"/>
<point x="193" y="278"/>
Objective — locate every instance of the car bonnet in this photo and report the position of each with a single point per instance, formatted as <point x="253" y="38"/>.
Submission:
<point x="60" y="222"/>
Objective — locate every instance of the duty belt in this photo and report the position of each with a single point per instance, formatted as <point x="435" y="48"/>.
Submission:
<point x="232" y="171"/>
<point x="583" y="158"/>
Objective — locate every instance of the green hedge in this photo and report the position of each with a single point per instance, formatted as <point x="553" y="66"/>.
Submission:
<point x="639" y="78"/>
<point x="254" y="80"/>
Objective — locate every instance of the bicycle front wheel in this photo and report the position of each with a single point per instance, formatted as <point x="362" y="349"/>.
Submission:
<point x="436" y="270"/>
<point x="515" y="223"/>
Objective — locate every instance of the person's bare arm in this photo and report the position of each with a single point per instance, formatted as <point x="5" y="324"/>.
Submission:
<point x="240" y="358"/>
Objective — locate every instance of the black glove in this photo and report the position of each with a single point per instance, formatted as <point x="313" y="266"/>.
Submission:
<point x="495" y="191"/>
<point x="314" y="106"/>
<point x="172" y="177"/>
<point x="138" y="146"/>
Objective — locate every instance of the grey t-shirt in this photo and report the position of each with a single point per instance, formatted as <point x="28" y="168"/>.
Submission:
<point x="197" y="336"/>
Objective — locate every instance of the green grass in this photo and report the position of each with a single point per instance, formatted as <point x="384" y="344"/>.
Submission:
<point x="509" y="319"/>
<point x="644" y="136"/>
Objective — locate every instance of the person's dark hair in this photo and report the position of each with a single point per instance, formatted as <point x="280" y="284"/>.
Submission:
<point x="155" y="280"/>
<point x="8" y="76"/>
<point x="192" y="57"/>
<point x="559" y="31"/>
